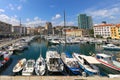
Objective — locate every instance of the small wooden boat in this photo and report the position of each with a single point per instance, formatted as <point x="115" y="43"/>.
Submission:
<point x="19" y="66"/>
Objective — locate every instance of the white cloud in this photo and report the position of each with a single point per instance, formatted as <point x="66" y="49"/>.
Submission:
<point x="11" y="6"/>
<point x="19" y="7"/>
<point x="70" y="23"/>
<point x="36" y="18"/>
<point x="104" y="13"/>
<point x="27" y="19"/>
<point x="10" y="20"/>
<point x="2" y="10"/>
<point x="36" y="22"/>
<point x="57" y="16"/>
<point x="14" y="7"/>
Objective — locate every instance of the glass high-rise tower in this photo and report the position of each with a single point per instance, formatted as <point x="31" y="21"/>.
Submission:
<point x="84" y="21"/>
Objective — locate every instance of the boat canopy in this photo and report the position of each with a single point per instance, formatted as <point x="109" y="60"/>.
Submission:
<point x="90" y="59"/>
<point x="103" y="55"/>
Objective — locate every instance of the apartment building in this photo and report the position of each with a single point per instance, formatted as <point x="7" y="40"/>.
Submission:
<point x="103" y="30"/>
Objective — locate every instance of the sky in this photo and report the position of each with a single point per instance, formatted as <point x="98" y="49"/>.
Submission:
<point x="38" y="12"/>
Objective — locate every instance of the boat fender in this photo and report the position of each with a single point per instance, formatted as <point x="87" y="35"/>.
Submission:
<point x="84" y="74"/>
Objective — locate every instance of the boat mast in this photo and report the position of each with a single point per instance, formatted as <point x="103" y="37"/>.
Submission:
<point x="40" y="45"/>
<point x="65" y="29"/>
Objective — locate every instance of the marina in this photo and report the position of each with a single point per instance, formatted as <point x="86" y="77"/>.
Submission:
<point x="40" y="47"/>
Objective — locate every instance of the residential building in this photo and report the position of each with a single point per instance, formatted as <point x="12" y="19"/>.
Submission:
<point x="115" y="32"/>
<point x="48" y="27"/>
<point x="24" y="30"/>
<point x="16" y="30"/>
<point x="30" y="31"/>
<point x="103" y="30"/>
<point x="84" y="21"/>
<point x="5" y="28"/>
<point x="73" y="32"/>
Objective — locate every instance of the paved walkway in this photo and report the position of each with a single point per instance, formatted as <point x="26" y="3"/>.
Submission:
<point x="55" y="78"/>
<point x="8" y="42"/>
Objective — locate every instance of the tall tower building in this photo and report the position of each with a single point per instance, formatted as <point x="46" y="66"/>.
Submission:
<point x="84" y="21"/>
<point x="48" y="27"/>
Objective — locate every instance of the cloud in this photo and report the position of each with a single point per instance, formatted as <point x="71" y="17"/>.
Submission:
<point x="35" y="22"/>
<point x="11" y="6"/>
<point x="104" y="13"/>
<point x="70" y="23"/>
<point x="27" y="19"/>
<point x="57" y="16"/>
<point x="2" y="10"/>
<point x="14" y="7"/>
<point x="19" y="7"/>
<point x="36" y="18"/>
<point x="11" y="20"/>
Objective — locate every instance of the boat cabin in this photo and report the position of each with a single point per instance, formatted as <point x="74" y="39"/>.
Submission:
<point x="104" y="58"/>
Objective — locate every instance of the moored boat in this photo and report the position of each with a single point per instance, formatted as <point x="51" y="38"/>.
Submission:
<point x="112" y="66"/>
<point x="29" y="67"/>
<point x="111" y="47"/>
<point x="19" y="66"/>
<point x="89" y="68"/>
<point x="4" y="57"/>
<point x="40" y="66"/>
<point x="53" y="61"/>
<point x="71" y="64"/>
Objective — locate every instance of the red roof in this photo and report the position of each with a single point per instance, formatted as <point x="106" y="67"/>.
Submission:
<point x="104" y="25"/>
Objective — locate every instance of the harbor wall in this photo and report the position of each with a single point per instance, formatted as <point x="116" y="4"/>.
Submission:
<point x="55" y="78"/>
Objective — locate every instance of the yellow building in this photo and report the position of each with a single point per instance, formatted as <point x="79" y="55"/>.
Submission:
<point x="74" y="32"/>
<point x="115" y="32"/>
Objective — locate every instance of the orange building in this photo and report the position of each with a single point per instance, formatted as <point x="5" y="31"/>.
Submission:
<point x="74" y="32"/>
<point x="115" y="32"/>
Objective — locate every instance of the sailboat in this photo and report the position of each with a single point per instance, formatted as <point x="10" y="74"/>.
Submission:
<point x="40" y="65"/>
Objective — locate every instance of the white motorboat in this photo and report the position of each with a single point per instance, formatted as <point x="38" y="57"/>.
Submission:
<point x="112" y="65"/>
<point x="111" y="47"/>
<point x="40" y="66"/>
<point x="19" y="66"/>
<point x="29" y="68"/>
<point x="53" y="61"/>
<point x="88" y="67"/>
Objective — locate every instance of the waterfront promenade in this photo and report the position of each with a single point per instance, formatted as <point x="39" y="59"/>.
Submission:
<point x="55" y="78"/>
<point x="5" y="43"/>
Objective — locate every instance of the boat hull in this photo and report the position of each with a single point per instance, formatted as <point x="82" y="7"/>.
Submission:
<point x="112" y="49"/>
<point x="107" y="70"/>
<point x="40" y="69"/>
<point x="73" y="71"/>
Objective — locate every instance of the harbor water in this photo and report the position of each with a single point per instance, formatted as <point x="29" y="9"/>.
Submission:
<point x="35" y="46"/>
